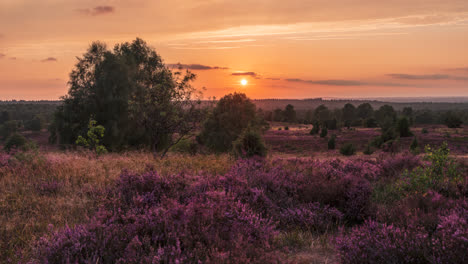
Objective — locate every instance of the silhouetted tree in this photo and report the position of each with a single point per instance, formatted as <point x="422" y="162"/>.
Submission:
<point x="131" y="93"/>
<point x="364" y="111"/>
<point x="289" y="114"/>
<point x="349" y="113"/>
<point x="231" y="116"/>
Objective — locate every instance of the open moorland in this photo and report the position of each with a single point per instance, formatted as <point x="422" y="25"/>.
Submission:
<point x="302" y="203"/>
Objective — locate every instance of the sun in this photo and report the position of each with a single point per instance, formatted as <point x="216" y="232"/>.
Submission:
<point x="243" y="82"/>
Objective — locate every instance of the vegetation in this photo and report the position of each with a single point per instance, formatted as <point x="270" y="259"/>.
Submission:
<point x="331" y="142"/>
<point x="93" y="137"/>
<point x="348" y="149"/>
<point x="131" y="93"/>
<point x="231" y="116"/>
<point x="249" y="144"/>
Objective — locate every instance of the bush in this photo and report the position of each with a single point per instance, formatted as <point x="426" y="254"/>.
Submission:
<point x="424" y="131"/>
<point x="414" y="147"/>
<point x="381" y="243"/>
<point x="348" y="149"/>
<point x="452" y="120"/>
<point x="331" y="142"/>
<point x="15" y="141"/>
<point x="249" y="144"/>
<point x="368" y="150"/>
<point x="370" y="123"/>
<point x="315" y="129"/>
<point x="324" y="132"/>
<point x="286" y="128"/>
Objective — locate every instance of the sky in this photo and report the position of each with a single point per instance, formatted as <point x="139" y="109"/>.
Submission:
<point x="283" y="49"/>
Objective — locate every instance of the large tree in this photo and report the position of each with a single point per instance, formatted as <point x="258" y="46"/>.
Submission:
<point x="232" y="115"/>
<point x="130" y="92"/>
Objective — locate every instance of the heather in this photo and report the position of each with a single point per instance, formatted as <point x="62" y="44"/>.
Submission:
<point x="134" y="208"/>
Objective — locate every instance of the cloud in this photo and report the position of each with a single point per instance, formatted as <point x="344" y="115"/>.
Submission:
<point x="273" y="79"/>
<point x="198" y="67"/>
<point x="429" y="77"/>
<point x="346" y="83"/>
<point x="49" y="59"/>
<point x="465" y="69"/>
<point x="2" y="55"/>
<point x="253" y="74"/>
<point x="98" y="10"/>
<point x="12" y="58"/>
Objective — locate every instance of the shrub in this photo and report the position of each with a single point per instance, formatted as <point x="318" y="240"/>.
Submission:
<point x="348" y="149"/>
<point x="331" y="142"/>
<point x="286" y="128"/>
<point x="311" y="217"/>
<point x="452" y="120"/>
<point x="368" y="150"/>
<point x="424" y="131"/>
<point x="391" y="146"/>
<point x="315" y="129"/>
<point x="414" y="147"/>
<point x="324" y="132"/>
<point x="15" y="141"/>
<point x="370" y="123"/>
<point x="93" y="137"/>
<point x="381" y="243"/>
<point x="249" y="144"/>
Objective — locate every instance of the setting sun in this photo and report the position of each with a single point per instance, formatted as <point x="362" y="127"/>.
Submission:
<point x="243" y="82"/>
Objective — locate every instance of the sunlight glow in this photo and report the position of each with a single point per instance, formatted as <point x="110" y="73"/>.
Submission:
<point x="243" y="82"/>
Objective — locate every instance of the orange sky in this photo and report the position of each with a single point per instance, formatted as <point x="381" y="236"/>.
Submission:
<point x="287" y="49"/>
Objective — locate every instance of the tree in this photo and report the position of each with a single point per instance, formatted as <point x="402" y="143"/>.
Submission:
<point x="8" y="128"/>
<point x="385" y="114"/>
<point x="16" y="141"/>
<point x="4" y="116"/>
<point x="403" y="127"/>
<point x="349" y="113"/>
<point x="33" y="125"/>
<point x="249" y="144"/>
<point x="332" y="142"/>
<point x="289" y="114"/>
<point x="322" y="114"/>
<point x="452" y="120"/>
<point x="131" y="93"/>
<point x="324" y="132"/>
<point x="231" y="116"/>
<point x="278" y="115"/>
<point x="364" y="111"/>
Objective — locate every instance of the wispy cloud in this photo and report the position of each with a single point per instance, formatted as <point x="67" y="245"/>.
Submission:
<point x="338" y="82"/>
<point x="253" y="74"/>
<point x="98" y="10"/>
<point x="429" y="77"/>
<point x="49" y="59"/>
<point x="195" y="67"/>
<point x="2" y="55"/>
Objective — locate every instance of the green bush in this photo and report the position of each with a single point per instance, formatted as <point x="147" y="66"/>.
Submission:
<point x="249" y="144"/>
<point x="348" y="149"/>
<point x="94" y="136"/>
<point x="324" y="132"/>
<point x="332" y="142"/>
<point x="15" y="141"/>
<point x="286" y="128"/>
<point x="370" y="123"/>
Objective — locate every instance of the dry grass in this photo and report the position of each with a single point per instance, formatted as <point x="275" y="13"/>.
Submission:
<point x="26" y="210"/>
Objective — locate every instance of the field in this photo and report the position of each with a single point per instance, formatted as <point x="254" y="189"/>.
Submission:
<point x="301" y="204"/>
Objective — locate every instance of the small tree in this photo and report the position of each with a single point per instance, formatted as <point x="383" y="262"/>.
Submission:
<point x="324" y="132"/>
<point x="414" y="147"/>
<point x="332" y="142"/>
<point x="94" y="136"/>
<point x="315" y="129"/>
<point x="403" y="127"/>
<point x="249" y="144"/>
